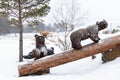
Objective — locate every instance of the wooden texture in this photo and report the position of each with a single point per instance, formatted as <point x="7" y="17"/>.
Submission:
<point x="69" y="56"/>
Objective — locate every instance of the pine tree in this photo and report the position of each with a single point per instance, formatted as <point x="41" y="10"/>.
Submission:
<point x="20" y="11"/>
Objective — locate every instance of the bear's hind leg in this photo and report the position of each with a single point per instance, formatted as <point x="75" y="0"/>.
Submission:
<point x="93" y="56"/>
<point x="76" y="45"/>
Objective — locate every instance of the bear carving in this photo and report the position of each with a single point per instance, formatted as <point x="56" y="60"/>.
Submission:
<point x="90" y="32"/>
<point x="111" y="54"/>
<point x="40" y="44"/>
<point x="40" y="50"/>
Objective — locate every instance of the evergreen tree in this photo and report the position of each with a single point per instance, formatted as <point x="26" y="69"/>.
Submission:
<point x="20" y="11"/>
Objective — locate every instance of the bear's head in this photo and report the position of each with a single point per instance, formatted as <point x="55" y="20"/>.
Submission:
<point x="102" y="25"/>
<point x="40" y="40"/>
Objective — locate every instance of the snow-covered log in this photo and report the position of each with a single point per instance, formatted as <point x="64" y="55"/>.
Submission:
<point x="69" y="56"/>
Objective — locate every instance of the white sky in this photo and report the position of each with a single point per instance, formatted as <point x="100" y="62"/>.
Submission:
<point x="98" y="10"/>
<point x="104" y="8"/>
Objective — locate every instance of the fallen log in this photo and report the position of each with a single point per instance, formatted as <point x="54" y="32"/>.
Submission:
<point x="69" y="56"/>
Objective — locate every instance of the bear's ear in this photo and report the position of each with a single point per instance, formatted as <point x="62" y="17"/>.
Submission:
<point x="104" y="21"/>
<point x="36" y="35"/>
<point x="44" y="35"/>
<point x="52" y="48"/>
<point x="97" y="23"/>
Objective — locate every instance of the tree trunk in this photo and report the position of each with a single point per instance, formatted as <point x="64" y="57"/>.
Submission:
<point x="21" y="34"/>
<point x="69" y="56"/>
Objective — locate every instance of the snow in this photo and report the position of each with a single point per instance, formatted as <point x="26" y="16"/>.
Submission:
<point x="83" y="69"/>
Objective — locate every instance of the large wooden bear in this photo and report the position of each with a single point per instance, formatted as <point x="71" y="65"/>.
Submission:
<point x="90" y="32"/>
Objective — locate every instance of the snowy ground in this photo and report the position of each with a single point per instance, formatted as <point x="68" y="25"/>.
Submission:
<point x="84" y="69"/>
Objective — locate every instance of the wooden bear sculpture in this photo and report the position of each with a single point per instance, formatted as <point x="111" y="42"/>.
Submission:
<point x="111" y="54"/>
<point x="40" y="51"/>
<point x="90" y="32"/>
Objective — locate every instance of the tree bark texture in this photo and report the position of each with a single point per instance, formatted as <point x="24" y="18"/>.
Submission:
<point x="21" y="34"/>
<point x="69" y="56"/>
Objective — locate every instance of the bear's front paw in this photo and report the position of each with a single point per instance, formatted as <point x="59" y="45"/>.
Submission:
<point x="97" y="40"/>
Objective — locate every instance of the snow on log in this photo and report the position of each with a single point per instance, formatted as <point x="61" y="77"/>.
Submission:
<point x="68" y="56"/>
